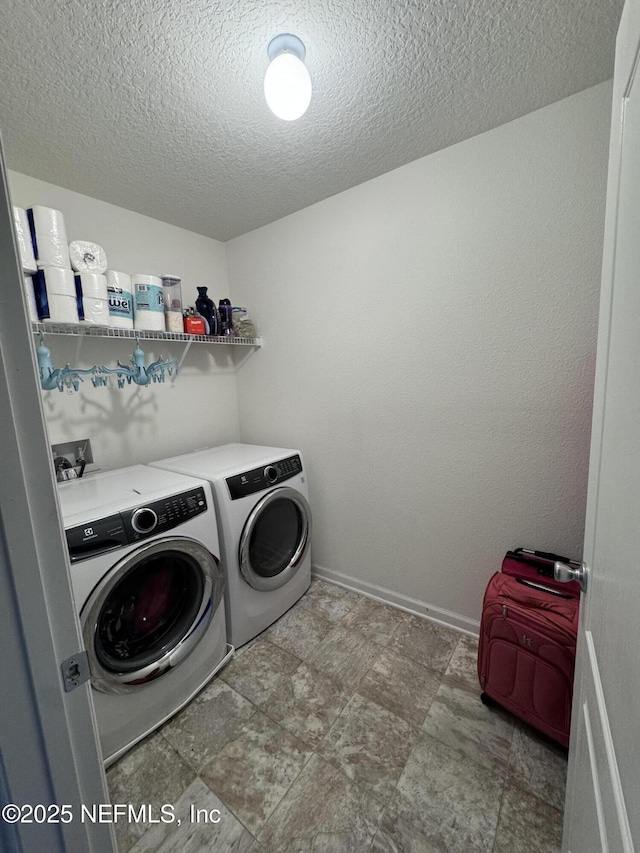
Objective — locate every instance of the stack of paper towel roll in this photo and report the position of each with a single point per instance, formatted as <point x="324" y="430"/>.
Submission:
<point x="93" y="298"/>
<point x="55" y="292"/>
<point x="27" y="258"/>
<point x="148" y="303"/>
<point x="53" y="283"/>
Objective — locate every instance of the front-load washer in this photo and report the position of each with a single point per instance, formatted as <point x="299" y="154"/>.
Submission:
<point x="264" y="521"/>
<point x="146" y="578"/>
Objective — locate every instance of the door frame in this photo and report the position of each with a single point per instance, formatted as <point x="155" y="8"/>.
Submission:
<point x="49" y="751"/>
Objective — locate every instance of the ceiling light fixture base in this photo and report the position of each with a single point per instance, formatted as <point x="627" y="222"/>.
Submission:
<point x="286" y="43"/>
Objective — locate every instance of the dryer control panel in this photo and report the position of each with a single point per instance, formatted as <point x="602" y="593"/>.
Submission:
<point x="130" y="526"/>
<point x="259" y="479"/>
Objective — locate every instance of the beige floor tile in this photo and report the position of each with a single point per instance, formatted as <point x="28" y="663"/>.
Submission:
<point x="254" y="772"/>
<point x="328" y="600"/>
<point x="370" y="745"/>
<point x="401" y="686"/>
<point x="300" y="631"/>
<point x="151" y="774"/>
<point x="538" y="765"/>
<point x="458" y="718"/>
<point x="377" y="621"/>
<point x="527" y="824"/>
<point x="464" y="662"/>
<point x="452" y="801"/>
<point x="202" y="823"/>
<point x="307" y="703"/>
<point x="425" y="642"/>
<point x="345" y="656"/>
<point x="324" y="812"/>
<point x="208" y="723"/>
<point x="258" y="672"/>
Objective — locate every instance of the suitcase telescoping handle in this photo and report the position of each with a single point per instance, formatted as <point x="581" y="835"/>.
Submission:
<point x="546" y="555"/>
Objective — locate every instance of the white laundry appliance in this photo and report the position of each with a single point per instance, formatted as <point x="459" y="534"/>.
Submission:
<point x="147" y="582"/>
<point x="264" y="521"/>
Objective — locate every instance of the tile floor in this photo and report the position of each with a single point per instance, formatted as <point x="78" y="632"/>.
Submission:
<point x="347" y="726"/>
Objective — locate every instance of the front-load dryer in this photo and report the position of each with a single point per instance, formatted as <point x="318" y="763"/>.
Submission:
<point x="144" y="554"/>
<point x="264" y="521"/>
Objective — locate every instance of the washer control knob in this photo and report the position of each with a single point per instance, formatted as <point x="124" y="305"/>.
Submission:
<point x="271" y="473"/>
<point x="144" y="520"/>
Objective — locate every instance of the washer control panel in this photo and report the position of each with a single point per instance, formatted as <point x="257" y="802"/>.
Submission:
<point x="259" y="479"/>
<point x="125" y="528"/>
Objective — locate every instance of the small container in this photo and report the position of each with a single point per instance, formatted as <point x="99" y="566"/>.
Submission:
<point x="172" y="292"/>
<point x="243" y="325"/>
<point x="194" y="324"/>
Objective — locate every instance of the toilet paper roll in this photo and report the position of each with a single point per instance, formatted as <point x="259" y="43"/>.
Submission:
<point x="148" y="303"/>
<point x="31" y="298"/>
<point x="23" y="235"/>
<point x="120" y="299"/>
<point x="92" y="284"/>
<point x="87" y="257"/>
<point x="95" y="311"/>
<point x="57" y="280"/>
<point x="49" y="237"/>
<point x="62" y="309"/>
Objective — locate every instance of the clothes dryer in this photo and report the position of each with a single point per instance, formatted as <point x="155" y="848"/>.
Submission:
<point x="264" y="520"/>
<point x="144" y="554"/>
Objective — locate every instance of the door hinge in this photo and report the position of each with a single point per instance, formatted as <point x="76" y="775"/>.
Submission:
<point x="75" y="671"/>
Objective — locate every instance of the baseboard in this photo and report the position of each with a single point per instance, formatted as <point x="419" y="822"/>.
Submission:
<point x="419" y="608"/>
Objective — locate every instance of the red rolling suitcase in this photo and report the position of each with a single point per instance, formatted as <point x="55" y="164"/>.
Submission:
<point x="527" y="649"/>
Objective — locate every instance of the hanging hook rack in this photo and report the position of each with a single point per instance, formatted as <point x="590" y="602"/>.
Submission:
<point x="139" y="372"/>
<point x="70" y="377"/>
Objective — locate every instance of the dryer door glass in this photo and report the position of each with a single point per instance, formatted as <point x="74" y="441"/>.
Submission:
<point x="275" y="539"/>
<point x="149" y="613"/>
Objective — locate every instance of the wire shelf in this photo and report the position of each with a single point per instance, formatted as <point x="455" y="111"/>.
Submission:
<point x="89" y="331"/>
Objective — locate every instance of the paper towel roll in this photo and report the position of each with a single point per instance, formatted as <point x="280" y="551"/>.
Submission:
<point x="96" y="311"/>
<point x="31" y="298"/>
<point x="120" y="299"/>
<point x="92" y="284"/>
<point x="23" y="234"/>
<point x="148" y="303"/>
<point x="62" y="309"/>
<point x="87" y="257"/>
<point x="49" y="237"/>
<point x="58" y="280"/>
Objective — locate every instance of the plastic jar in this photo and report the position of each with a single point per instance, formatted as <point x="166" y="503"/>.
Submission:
<point x="172" y="292"/>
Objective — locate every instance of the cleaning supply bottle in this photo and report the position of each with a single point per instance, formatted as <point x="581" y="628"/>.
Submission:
<point x="226" y="325"/>
<point x="207" y="310"/>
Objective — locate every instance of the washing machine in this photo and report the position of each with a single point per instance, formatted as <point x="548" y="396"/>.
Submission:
<point x="264" y="521"/>
<point x="146" y="577"/>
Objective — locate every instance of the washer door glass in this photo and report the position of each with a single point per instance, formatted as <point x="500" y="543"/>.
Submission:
<point x="149" y="613"/>
<point x="275" y="539"/>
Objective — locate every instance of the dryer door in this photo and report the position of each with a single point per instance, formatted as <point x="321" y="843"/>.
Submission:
<point x="149" y="612"/>
<point x="275" y="539"/>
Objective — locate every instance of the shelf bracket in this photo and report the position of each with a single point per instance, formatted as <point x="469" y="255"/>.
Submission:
<point x="186" y="349"/>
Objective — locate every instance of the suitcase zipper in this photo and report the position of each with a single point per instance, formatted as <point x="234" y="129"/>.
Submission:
<point x="505" y="611"/>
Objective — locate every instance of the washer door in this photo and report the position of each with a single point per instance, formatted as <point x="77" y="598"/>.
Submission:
<point x="149" y="612"/>
<point x="275" y="539"/>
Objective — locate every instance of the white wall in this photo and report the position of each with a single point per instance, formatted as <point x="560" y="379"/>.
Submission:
<point x="429" y="346"/>
<point x="135" y="425"/>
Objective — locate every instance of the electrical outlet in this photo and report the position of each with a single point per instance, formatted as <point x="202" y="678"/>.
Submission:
<point x="74" y="451"/>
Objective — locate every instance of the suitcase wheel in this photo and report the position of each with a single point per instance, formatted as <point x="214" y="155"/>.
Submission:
<point x="486" y="700"/>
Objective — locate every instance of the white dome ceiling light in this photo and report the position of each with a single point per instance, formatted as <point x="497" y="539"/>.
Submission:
<point x="287" y="84"/>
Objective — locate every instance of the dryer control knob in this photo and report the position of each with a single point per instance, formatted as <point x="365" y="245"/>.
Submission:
<point x="271" y="473"/>
<point x="144" y="520"/>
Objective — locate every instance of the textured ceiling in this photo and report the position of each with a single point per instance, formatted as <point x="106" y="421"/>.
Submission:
<point x="157" y="105"/>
